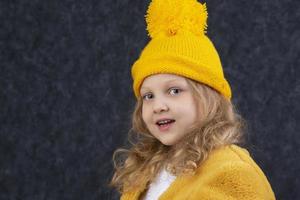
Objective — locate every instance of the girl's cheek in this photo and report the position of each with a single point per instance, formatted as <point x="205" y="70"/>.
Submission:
<point x="145" y="111"/>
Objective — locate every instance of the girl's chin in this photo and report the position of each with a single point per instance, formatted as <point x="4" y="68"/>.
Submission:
<point x="166" y="142"/>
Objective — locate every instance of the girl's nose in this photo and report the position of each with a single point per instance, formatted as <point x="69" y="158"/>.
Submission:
<point x="160" y="106"/>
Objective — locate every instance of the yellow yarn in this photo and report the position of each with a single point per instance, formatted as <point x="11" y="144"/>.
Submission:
<point x="170" y="16"/>
<point x="179" y="46"/>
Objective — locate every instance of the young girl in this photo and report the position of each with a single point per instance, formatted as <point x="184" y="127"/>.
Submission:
<point x="186" y="130"/>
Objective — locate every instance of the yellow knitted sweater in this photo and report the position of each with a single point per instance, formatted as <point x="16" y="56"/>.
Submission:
<point x="229" y="173"/>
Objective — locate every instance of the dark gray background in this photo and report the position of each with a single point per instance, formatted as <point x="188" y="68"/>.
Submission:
<point x="66" y="93"/>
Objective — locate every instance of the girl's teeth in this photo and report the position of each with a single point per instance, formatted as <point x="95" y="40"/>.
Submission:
<point x="165" y="122"/>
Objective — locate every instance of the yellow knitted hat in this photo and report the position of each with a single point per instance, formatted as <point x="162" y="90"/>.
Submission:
<point x="179" y="46"/>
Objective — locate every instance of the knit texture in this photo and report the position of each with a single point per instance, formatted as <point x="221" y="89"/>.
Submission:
<point x="179" y="46"/>
<point x="229" y="173"/>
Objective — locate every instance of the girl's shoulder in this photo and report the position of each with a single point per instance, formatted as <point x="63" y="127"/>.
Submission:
<point x="233" y="167"/>
<point x="231" y="157"/>
<point x="231" y="154"/>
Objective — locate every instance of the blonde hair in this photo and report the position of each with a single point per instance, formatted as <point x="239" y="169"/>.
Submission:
<point x="219" y="125"/>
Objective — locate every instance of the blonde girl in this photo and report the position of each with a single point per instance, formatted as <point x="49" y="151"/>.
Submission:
<point x="186" y="134"/>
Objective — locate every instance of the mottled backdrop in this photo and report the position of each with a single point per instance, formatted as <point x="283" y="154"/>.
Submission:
<point x="66" y="94"/>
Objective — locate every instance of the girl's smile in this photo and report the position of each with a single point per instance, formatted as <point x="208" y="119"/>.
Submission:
<point x="165" y="124"/>
<point x="169" y="107"/>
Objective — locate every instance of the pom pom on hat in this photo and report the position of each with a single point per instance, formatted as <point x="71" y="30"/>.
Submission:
<point x="169" y="17"/>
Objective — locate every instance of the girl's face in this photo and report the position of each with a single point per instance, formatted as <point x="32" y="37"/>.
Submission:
<point x="169" y="107"/>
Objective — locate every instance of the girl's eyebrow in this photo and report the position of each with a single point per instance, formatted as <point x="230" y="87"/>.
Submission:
<point x="167" y="82"/>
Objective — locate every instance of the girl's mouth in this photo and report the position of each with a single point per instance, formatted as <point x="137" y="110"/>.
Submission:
<point x="165" y="126"/>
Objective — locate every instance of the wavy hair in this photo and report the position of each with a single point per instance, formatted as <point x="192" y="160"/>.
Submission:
<point x="219" y="125"/>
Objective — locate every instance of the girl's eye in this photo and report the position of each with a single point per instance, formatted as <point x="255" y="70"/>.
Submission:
<point x="174" y="90"/>
<point x="147" y="96"/>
